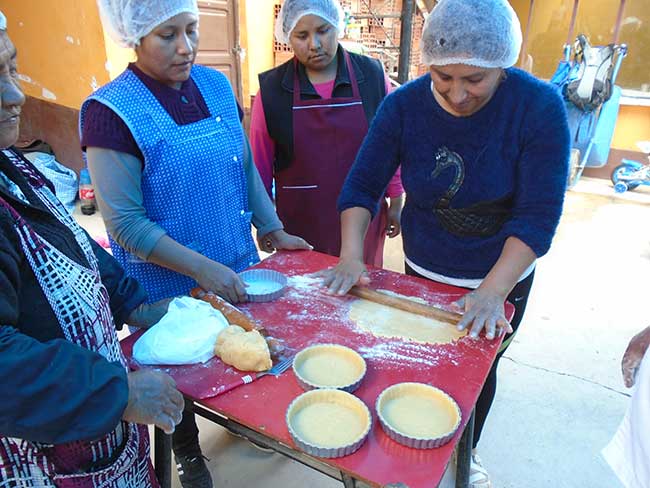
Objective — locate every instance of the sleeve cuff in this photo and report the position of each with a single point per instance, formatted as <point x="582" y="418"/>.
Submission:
<point x="153" y="236"/>
<point x="270" y="227"/>
<point x="367" y="203"/>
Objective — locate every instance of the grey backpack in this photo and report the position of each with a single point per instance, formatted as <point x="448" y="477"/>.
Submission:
<point x="590" y="80"/>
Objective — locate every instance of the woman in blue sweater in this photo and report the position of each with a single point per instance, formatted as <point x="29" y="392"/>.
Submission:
<point x="484" y="150"/>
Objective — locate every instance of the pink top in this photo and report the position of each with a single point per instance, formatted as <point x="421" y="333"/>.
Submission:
<point x="263" y="145"/>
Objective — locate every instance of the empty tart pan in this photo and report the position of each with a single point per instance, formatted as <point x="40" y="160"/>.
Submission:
<point x="263" y="285"/>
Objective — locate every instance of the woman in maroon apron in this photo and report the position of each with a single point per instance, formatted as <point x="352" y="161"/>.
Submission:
<point x="308" y="122"/>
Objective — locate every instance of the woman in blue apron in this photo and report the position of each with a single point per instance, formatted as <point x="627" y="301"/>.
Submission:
<point x="173" y="172"/>
<point x="72" y="416"/>
<point x="484" y="150"/>
<point x="308" y="122"/>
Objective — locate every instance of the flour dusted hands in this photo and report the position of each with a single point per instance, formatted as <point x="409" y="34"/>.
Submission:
<point x="153" y="400"/>
<point x="343" y="276"/>
<point x="279" y="239"/>
<point x="221" y="280"/>
<point x="483" y="310"/>
<point x="634" y="353"/>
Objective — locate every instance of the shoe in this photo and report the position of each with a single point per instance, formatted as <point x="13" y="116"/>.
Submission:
<point x="192" y="470"/>
<point x="478" y="475"/>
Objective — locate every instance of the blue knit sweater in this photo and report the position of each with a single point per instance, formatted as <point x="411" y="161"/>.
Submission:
<point x="515" y="148"/>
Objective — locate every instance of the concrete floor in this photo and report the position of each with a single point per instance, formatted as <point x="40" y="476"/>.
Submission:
<point x="560" y="396"/>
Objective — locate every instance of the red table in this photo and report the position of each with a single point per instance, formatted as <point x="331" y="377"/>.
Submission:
<point x="306" y="315"/>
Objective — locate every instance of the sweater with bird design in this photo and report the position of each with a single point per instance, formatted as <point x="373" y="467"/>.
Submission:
<point x="471" y="182"/>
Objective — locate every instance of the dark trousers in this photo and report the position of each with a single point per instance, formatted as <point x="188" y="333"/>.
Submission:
<point x="519" y="298"/>
<point x="185" y="439"/>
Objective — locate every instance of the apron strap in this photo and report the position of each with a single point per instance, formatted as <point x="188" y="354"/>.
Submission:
<point x="352" y="75"/>
<point x="296" y="82"/>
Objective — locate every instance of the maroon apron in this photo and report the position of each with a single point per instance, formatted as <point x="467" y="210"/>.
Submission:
<point x="327" y="134"/>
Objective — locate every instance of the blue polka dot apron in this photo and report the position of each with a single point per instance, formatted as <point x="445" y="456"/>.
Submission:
<point x="193" y="181"/>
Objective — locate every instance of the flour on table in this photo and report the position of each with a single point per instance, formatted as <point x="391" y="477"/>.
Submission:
<point x="381" y="320"/>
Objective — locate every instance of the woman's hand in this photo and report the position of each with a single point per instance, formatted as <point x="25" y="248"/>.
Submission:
<point x="484" y="309"/>
<point x="346" y="274"/>
<point x="393" y="226"/>
<point x="222" y="280"/>
<point x="153" y="399"/>
<point x="148" y="314"/>
<point x="633" y="356"/>
<point x="279" y="239"/>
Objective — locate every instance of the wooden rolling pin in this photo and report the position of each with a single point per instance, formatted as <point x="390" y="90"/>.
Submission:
<point x="232" y="313"/>
<point x="406" y="305"/>
<point x="235" y="317"/>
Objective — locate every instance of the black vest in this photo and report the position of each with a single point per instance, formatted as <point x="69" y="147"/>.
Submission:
<point x="276" y="90"/>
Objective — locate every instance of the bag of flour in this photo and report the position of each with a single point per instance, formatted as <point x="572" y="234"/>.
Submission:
<point x="185" y="335"/>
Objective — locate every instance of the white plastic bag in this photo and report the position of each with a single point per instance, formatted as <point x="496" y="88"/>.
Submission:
<point x="186" y="334"/>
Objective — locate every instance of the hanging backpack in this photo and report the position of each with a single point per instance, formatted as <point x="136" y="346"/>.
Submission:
<point x="590" y="80"/>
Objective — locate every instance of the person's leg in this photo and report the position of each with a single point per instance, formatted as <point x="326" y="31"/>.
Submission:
<point x="186" y="435"/>
<point x="519" y="298"/>
<point x="190" y="463"/>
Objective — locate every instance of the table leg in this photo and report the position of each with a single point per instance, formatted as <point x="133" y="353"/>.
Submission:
<point x="348" y="481"/>
<point x="163" y="458"/>
<point x="464" y="454"/>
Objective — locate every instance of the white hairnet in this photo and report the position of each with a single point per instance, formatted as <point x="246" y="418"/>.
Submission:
<point x="128" y="21"/>
<point x="484" y="33"/>
<point x="3" y="21"/>
<point x="293" y="10"/>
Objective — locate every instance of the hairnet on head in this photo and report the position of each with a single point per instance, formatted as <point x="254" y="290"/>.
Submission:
<point x="293" y="10"/>
<point x="128" y="21"/>
<point x="484" y="33"/>
<point x="3" y="21"/>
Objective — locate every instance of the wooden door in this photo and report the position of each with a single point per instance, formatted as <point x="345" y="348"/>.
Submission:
<point x="219" y="44"/>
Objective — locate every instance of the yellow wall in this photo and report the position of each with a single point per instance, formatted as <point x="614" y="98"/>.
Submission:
<point x="117" y="57"/>
<point x="61" y="48"/>
<point x="632" y="125"/>
<point x="243" y="44"/>
<point x="259" y="43"/>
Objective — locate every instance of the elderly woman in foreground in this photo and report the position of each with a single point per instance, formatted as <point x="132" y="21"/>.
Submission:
<point x="71" y="415"/>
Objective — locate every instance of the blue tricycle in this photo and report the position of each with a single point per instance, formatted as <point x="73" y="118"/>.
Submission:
<point x="631" y="174"/>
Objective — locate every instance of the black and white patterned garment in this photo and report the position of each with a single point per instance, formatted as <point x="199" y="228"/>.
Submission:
<point x="81" y="305"/>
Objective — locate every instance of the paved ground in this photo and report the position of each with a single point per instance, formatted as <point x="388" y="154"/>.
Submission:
<point x="560" y="395"/>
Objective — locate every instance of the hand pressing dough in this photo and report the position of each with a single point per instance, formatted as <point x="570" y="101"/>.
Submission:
<point x="246" y="351"/>
<point x="386" y="321"/>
